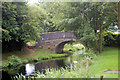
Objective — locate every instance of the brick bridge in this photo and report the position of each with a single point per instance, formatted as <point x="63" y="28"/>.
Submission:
<point x="55" y="41"/>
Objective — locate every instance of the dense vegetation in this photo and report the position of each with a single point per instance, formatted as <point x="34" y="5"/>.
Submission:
<point x="97" y="66"/>
<point x="111" y="39"/>
<point x="94" y="24"/>
<point x="23" y="22"/>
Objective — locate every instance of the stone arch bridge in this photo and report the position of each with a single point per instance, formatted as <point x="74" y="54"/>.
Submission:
<point x="55" y="41"/>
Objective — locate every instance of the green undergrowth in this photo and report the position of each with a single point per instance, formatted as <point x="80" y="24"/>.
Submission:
<point x="61" y="73"/>
<point x="73" y="47"/>
<point x="65" y="73"/>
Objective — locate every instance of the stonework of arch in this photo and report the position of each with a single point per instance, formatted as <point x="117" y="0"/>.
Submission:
<point x="55" y="41"/>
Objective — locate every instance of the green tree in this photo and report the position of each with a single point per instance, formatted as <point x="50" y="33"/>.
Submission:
<point x="16" y="23"/>
<point x="84" y="19"/>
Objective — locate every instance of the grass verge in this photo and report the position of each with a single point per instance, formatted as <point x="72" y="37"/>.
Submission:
<point x="107" y="60"/>
<point x="39" y="54"/>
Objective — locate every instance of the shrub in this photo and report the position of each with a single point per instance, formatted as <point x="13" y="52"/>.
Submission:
<point x="111" y="39"/>
<point x="13" y="60"/>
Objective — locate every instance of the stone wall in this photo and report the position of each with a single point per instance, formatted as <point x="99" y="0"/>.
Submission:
<point x="57" y="35"/>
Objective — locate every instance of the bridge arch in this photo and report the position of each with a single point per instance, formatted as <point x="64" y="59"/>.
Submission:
<point x="55" y="41"/>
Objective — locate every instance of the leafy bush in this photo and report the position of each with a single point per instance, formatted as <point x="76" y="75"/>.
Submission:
<point x="13" y="60"/>
<point x="111" y="39"/>
<point x="72" y="48"/>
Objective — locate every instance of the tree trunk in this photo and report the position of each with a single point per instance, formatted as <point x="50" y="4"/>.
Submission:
<point x="96" y="42"/>
<point x="119" y="15"/>
<point x="85" y="44"/>
<point x="100" y="40"/>
<point x="87" y="65"/>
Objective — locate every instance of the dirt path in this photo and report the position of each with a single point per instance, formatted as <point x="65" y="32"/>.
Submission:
<point x="31" y="52"/>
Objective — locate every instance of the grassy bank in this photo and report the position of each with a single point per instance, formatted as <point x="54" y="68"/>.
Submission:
<point x="39" y="54"/>
<point x="107" y="60"/>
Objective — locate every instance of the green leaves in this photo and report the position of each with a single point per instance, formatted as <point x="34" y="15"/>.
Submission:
<point x="14" y="60"/>
<point x="84" y="19"/>
<point x="18" y="22"/>
<point x="89" y="34"/>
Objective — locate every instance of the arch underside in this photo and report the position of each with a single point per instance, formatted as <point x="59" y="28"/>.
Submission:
<point x="59" y="47"/>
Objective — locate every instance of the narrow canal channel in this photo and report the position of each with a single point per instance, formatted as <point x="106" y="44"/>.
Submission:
<point x="29" y="69"/>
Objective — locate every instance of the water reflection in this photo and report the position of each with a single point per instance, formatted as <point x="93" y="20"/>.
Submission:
<point x="29" y="69"/>
<point x="68" y="61"/>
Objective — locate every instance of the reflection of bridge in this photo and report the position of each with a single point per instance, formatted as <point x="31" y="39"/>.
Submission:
<point x="55" y="41"/>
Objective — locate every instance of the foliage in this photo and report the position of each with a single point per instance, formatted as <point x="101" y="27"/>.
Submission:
<point x="36" y="20"/>
<point x="12" y="23"/>
<point x="111" y="39"/>
<point x="80" y="55"/>
<point x="89" y="37"/>
<point x="26" y="22"/>
<point x="20" y="77"/>
<point x="61" y="73"/>
<point x="14" y="60"/>
<point x="17" y="29"/>
<point x="73" y="47"/>
<point x="84" y="19"/>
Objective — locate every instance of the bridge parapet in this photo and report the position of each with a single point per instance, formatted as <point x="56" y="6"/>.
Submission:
<point x="57" y="35"/>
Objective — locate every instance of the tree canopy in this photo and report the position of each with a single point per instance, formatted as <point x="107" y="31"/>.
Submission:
<point x="23" y="22"/>
<point x="84" y="19"/>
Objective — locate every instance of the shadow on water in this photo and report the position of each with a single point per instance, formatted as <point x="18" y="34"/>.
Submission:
<point x="5" y="75"/>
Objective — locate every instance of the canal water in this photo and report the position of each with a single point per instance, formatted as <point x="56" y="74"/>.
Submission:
<point x="31" y="68"/>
